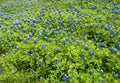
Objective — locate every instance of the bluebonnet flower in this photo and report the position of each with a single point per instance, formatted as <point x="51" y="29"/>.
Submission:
<point x="110" y="25"/>
<point x="113" y="51"/>
<point x="119" y="72"/>
<point x="58" y="49"/>
<point x="94" y="7"/>
<point x="52" y="33"/>
<point x="25" y="41"/>
<point x="100" y="20"/>
<point x="33" y="32"/>
<point x="35" y="41"/>
<point x="35" y="51"/>
<point x="67" y="39"/>
<point x="58" y="60"/>
<point x="91" y="53"/>
<point x="96" y="25"/>
<point x="116" y="17"/>
<point x="41" y="79"/>
<point x="40" y="36"/>
<point x="66" y="79"/>
<point x="1" y="71"/>
<point x="32" y="56"/>
<point x="86" y="48"/>
<point x="101" y="44"/>
<point x="11" y="49"/>
<point x="11" y="32"/>
<point x="44" y="46"/>
<point x="94" y="39"/>
<point x="90" y="72"/>
<point x="83" y="56"/>
<point x="102" y="81"/>
<point x="64" y="42"/>
<point x="118" y="47"/>
<point x="82" y="7"/>
<point x="41" y="63"/>
<point x="116" y="76"/>
<point x="17" y="48"/>
<point x="33" y="72"/>
<point x="108" y="16"/>
<point x="25" y="53"/>
<point x="101" y="72"/>
<point x="66" y="29"/>
<point x="30" y="35"/>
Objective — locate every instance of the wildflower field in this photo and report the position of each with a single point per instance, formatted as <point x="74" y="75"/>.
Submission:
<point x="59" y="41"/>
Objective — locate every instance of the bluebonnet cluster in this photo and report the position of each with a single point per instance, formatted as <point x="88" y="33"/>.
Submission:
<point x="48" y="32"/>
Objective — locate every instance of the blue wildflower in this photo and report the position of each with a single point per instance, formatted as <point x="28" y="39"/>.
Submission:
<point x="44" y="46"/>
<point x="1" y="71"/>
<point x="30" y="35"/>
<point x="58" y="49"/>
<point x="101" y="72"/>
<point x="33" y="72"/>
<point x="32" y="56"/>
<point x="113" y="51"/>
<point x="83" y="56"/>
<point x="91" y="53"/>
<point x="66" y="79"/>
<point x="25" y="53"/>
<point x="110" y="25"/>
<point x="41" y="63"/>
<point x="17" y="48"/>
<point x="118" y="47"/>
<point x="35" y="41"/>
<point x="41" y="79"/>
<point x="86" y="48"/>
<point x="116" y="76"/>
<point x="102" y="81"/>
<point x="58" y="60"/>
<point x="101" y="44"/>
<point x="90" y="72"/>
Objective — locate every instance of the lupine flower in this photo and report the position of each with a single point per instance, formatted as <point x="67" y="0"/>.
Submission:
<point x="58" y="60"/>
<point x="66" y="79"/>
<point x="1" y="71"/>
<point x="110" y="25"/>
<point x="91" y="53"/>
<point x="17" y="48"/>
<point x="35" y="51"/>
<point x="113" y="51"/>
<point x="25" y="53"/>
<point x="32" y="56"/>
<point x="94" y="39"/>
<point x="30" y="35"/>
<point x="102" y="81"/>
<point x="35" y="41"/>
<point x="25" y="41"/>
<point x="90" y="72"/>
<point x="41" y="63"/>
<point x="33" y="72"/>
<point x="100" y="20"/>
<point x="118" y="47"/>
<point x="86" y="48"/>
<point x="41" y="79"/>
<point x="101" y="72"/>
<point x="83" y="56"/>
<point x="116" y="76"/>
<point x="44" y="46"/>
<point x="58" y="49"/>
<point x="101" y="44"/>
<point x="96" y="25"/>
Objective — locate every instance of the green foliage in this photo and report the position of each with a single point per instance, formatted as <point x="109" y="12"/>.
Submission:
<point x="55" y="41"/>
